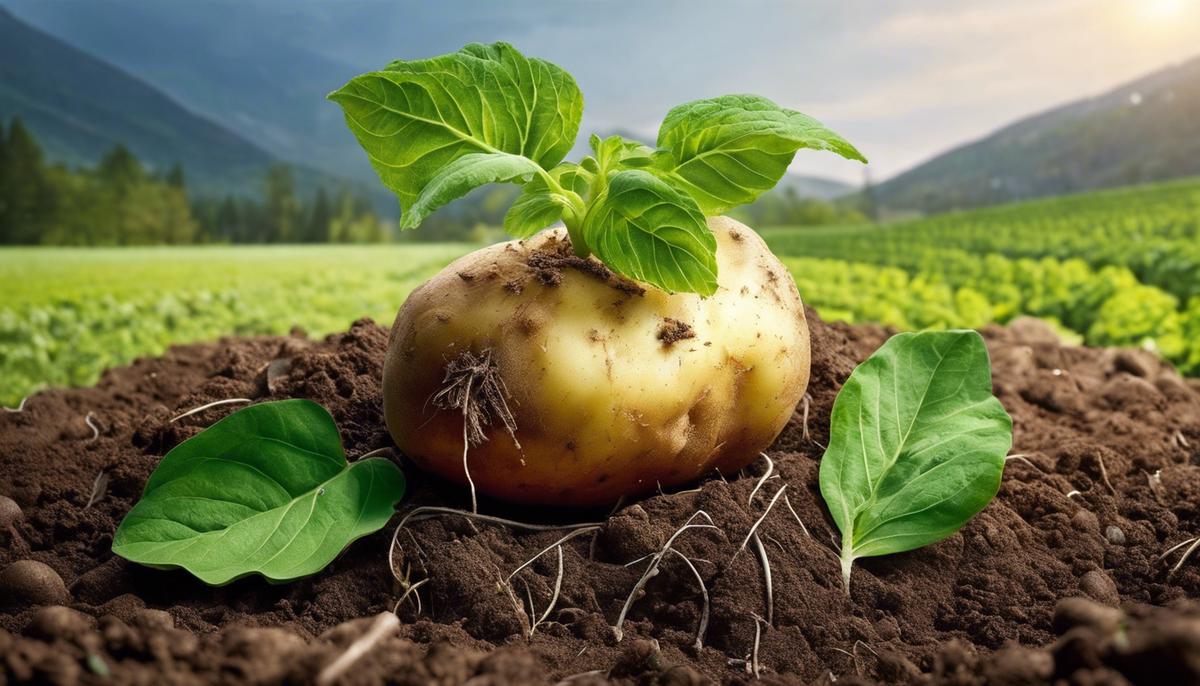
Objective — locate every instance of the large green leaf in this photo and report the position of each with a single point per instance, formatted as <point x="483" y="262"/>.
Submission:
<point x="917" y="444"/>
<point x="415" y="118"/>
<point x="265" y="490"/>
<point x="646" y="230"/>
<point x="727" y="151"/>
<point x="463" y="174"/>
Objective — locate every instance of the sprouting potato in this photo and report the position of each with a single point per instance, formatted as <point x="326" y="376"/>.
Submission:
<point x="612" y="388"/>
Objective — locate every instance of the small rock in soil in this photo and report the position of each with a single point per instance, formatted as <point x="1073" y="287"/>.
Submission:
<point x="1115" y="535"/>
<point x="10" y="512"/>
<point x="29" y="582"/>
<point x="1100" y="586"/>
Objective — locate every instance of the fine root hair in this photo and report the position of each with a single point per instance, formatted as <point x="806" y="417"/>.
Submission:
<point x="215" y="403"/>
<point x="385" y="624"/>
<point x="473" y="385"/>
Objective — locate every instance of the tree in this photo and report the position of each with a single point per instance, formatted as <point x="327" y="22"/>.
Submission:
<point x="120" y="168"/>
<point x="27" y="199"/>
<point x="175" y="177"/>
<point x="316" y="229"/>
<point x="283" y="209"/>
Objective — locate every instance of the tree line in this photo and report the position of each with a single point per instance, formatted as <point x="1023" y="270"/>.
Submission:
<point x="121" y="202"/>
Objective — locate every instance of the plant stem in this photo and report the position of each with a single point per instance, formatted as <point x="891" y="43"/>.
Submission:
<point x="847" y="562"/>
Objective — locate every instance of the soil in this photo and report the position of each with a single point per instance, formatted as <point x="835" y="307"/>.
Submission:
<point x="1058" y="581"/>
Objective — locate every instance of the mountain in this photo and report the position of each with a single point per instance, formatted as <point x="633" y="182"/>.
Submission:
<point x="1146" y="130"/>
<point x="813" y="187"/>
<point x="80" y="107"/>
<point x="226" y="61"/>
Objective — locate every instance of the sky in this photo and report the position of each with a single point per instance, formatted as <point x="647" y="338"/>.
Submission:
<point x="903" y="79"/>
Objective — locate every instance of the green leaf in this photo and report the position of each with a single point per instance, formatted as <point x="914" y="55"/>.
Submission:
<point x="265" y="490"/>
<point x="727" y="151"/>
<point x="464" y="174"/>
<point x="617" y="152"/>
<point x="917" y="444"/>
<point x="534" y="209"/>
<point x="644" y="229"/>
<point x="416" y="118"/>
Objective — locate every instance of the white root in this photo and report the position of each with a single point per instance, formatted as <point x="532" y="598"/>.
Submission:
<point x="798" y="520"/>
<point x="1180" y="439"/>
<point x="430" y="511"/>
<point x="804" y="419"/>
<point x="1074" y="493"/>
<point x="552" y="546"/>
<point x="99" y="489"/>
<point x="553" y="597"/>
<point x="1021" y="457"/>
<point x="1195" y="543"/>
<point x="754" y="665"/>
<point x="466" y="469"/>
<point x="386" y="450"/>
<point x="92" y="425"/>
<point x="754" y="528"/>
<point x="20" y="406"/>
<point x="652" y="568"/>
<point x="412" y="589"/>
<point x="1104" y="474"/>
<point x="766" y="566"/>
<point x="702" y="630"/>
<point x="763" y="479"/>
<point x="385" y="623"/>
<point x="215" y="403"/>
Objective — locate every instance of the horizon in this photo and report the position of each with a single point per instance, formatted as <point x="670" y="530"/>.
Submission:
<point x="912" y="84"/>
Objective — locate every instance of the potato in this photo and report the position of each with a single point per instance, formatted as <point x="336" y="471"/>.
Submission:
<point x="610" y="389"/>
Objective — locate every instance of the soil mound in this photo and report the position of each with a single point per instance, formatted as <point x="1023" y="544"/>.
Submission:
<point x="1058" y="581"/>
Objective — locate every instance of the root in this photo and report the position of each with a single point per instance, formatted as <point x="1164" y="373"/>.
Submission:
<point x="92" y="425"/>
<point x="1155" y="482"/>
<point x="474" y="386"/>
<point x="385" y="623"/>
<point x="763" y="479"/>
<point x="1195" y="543"/>
<point x="766" y="566"/>
<point x="1024" y="458"/>
<point x="652" y="568"/>
<point x="754" y="664"/>
<point x="703" y="628"/>
<point x="204" y="407"/>
<point x="20" y="406"/>
<point x="804" y="418"/>
<point x="1179" y="438"/>
<point x="798" y="520"/>
<point x="1104" y="474"/>
<point x="557" y="544"/>
<point x="99" y="489"/>
<point x="754" y="528"/>
<point x="386" y="450"/>
<point x="411" y="589"/>
<point x="553" y="598"/>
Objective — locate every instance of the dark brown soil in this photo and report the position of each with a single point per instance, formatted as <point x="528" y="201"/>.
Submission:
<point x="1111" y="439"/>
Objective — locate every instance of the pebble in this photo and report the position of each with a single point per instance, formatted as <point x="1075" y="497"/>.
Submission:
<point x="1100" y="587"/>
<point x="1115" y="535"/>
<point x="29" y="582"/>
<point x="10" y="512"/>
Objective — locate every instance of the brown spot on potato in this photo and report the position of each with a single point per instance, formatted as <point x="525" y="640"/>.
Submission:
<point x="549" y="263"/>
<point x="673" y="330"/>
<point x="514" y="286"/>
<point x="735" y="235"/>
<point x="602" y="478"/>
<point x="466" y="276"/>
<point x="442" y="317"/>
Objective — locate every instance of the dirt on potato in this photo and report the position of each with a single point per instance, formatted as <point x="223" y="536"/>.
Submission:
<point x="1058" y="581"/>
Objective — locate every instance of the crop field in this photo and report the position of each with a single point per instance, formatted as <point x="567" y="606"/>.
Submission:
<point x="1118" y="268"/>
<point x="1115" y="268"/>
<point x="69" y="314"/>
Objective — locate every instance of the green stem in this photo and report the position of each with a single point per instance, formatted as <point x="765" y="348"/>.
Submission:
<point x="572" y="213"/>
<point x="847" y="563"/>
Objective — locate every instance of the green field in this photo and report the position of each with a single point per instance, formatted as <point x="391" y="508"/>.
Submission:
<point x="1117" y="268"/>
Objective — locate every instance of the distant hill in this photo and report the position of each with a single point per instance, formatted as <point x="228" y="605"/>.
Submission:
<point x="79" y="107"/>
<point x="217" y="59"/>
<point x="1146" y="130"/>
<point x="814" y="187"/>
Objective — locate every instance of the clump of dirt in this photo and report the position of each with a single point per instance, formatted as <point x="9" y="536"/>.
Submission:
<point x="673" y="331"/>
<point x="548" y="263"/>
<point x="1058" y="581"/>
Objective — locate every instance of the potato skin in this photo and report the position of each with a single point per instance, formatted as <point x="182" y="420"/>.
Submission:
<point x="603" y="406"/>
